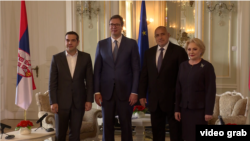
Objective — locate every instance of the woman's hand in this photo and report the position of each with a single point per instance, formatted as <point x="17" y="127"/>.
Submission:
<point x="177" y="116"/>
<point x="208" y="117"/>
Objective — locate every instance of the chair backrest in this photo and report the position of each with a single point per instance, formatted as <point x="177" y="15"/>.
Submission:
<point x="216" y="107"/>
<point x="231" y="104"/>
<point x="42" y="100"/>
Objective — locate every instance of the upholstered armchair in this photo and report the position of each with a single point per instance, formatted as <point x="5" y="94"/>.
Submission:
<point x="89" y="128"/>
<point x="232" y="106"/>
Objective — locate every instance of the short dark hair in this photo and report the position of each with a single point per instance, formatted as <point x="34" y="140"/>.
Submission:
<point x="73" y="32"/>
<point x="117" y="17"/>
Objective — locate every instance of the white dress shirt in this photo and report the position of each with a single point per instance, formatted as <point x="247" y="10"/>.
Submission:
<point x="71" y="62"/>
<point x="159" y="51"/>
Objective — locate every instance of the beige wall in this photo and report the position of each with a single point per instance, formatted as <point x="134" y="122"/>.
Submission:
<point x="47" y="27"/>
<point x="1" y="71"/>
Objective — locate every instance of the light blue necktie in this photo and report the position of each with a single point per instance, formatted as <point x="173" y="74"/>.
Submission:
<point x="115" y="50"/>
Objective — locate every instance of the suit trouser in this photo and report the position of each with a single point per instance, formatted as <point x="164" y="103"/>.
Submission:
<point x="124" y="112"/>
<point x="158" y="121"/>
<point x="69" y="118"/>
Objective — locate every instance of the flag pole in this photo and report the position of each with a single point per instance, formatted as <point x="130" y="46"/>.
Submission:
<point x="25" y="115"/>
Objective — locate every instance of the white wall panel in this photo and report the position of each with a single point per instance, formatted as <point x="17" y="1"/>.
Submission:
<point x="1" y="53"/>
<point x="219" y="36"/>
<point x="2" y="86"/>
<point x="1" y="70"/>
<point x="47" y="28"/>
<point x="1" y="97"/>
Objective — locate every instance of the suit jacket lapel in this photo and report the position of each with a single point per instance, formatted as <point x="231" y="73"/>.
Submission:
<point x="65" y="63"/>
<point x="167" y="56"/>
<point x="153" y="59"/>
<point x="109" y="49"/>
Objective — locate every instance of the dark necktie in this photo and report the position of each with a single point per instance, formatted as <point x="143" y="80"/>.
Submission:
<point x="115" y="50"/>
<point x="160" y="58"/>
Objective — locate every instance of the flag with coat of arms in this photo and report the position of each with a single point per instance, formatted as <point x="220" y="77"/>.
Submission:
<point x="25" y="81"/>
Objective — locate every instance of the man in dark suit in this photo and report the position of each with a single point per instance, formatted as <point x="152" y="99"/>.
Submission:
<point x="158" y="76"/>
<point x="116" y="78"/>
<point x="70" y="88"/>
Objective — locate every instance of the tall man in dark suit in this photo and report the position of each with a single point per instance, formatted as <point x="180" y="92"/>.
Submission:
<point x="116" y="78"/>
<point x="158" y="76"/>
<point x="70" y="88"/>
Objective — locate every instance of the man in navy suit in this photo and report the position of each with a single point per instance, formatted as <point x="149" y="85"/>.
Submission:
<point x="116" y="78"/>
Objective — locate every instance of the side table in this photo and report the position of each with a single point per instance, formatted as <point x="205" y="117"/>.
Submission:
<point x="140" y="124"/>
<point x="38" y="135"/>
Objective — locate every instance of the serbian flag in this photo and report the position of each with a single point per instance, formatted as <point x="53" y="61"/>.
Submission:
<point x="25" y="82"/>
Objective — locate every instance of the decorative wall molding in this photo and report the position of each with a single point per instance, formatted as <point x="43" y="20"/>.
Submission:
<point x="242" y="61"/>
<point x="82" y="32"/>
<point x="228" y="47"/>
<point x="98" y="26"/>
<point x="210" y="40"/>
<point x="199" y="23"/>
<point x="107" y="15"/>
<point x="82" y="22"/>
<point x="226" y="86"/>
<point x="200" y="33"/>
<point x="71" y="16"/>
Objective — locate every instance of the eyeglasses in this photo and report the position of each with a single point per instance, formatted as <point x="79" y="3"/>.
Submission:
<point x="115" y="25"/>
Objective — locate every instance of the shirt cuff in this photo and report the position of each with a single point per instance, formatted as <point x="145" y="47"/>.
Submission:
<point x="134" y="93"/>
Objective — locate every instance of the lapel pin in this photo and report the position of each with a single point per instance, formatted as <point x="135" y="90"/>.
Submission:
<point x="202" y="65"/>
